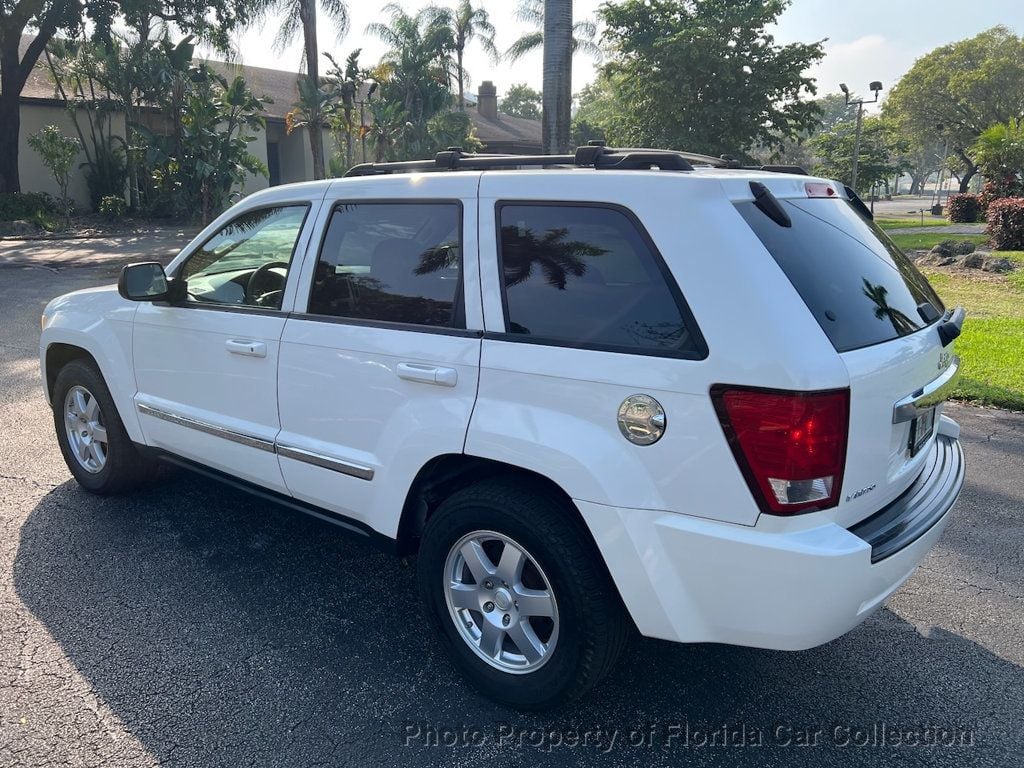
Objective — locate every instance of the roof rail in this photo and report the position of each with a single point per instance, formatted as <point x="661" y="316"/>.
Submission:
<point x="591" y="156"/>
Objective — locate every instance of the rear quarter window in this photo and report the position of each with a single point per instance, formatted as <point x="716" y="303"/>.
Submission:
<point x="587" y="276"/>
<point x="860" y="287"/>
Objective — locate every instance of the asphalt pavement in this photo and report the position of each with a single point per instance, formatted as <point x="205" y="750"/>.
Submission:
<point x="190" y="625"/>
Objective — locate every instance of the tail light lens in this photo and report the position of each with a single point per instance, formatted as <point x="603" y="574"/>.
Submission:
<point x="791" y="446"/>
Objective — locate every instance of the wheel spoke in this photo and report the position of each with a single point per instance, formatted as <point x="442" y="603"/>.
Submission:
<point x="79" y="402"/>
<point x="99" y="433"/>
<point x="534" y="602"/>
<point x="90" y="409"/>
<point x="491" y="638"/>
<point x="465" y="596"/>
<point x="526" y="640"/>
<point x="510" y="566"/>
<point x="477" y="561"/>
<point x="81" y="450"/>
<point x="93" y="450"/>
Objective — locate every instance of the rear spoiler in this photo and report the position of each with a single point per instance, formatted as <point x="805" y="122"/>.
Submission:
<point x="862" y="209"/>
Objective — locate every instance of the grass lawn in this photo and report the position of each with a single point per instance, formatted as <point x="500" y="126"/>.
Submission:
<point x="929" y="221"/>
<point x="925" y="241"/>
<point x="991" y="347"/>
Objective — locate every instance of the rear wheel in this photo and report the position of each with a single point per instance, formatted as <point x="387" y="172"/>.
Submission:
<point x="520" y="597"/>
<point x="97" y="449"/>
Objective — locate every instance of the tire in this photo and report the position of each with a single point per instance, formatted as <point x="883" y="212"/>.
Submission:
<point x="568" y="651"/>
<point x="107" y="467"/>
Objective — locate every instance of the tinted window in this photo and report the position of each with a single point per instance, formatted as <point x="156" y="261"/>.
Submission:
<point x="246" y="262"/>
<point x="860" y="287"/>
<point x="585" y="275"/>
<point x="397" y="262"/>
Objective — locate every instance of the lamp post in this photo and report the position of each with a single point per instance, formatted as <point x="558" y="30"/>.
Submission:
<point x="875" y="86"/>
<point x="362" y="101"/>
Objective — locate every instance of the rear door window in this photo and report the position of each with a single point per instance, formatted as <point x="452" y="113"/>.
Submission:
<point x="395" y="262"/>
<point x="860" y="287"/>
<point x="587" y="276"/>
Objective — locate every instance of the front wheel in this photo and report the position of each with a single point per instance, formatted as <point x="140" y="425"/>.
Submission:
<point x="96" y="447"/>
<point x="520" y="596"/>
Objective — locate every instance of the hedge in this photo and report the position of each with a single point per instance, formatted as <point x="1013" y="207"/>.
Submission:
<point x="1006" y="223"/>
<point x="964" y="208"/>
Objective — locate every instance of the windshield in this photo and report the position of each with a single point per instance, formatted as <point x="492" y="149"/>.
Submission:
<point x="861" y="288"/>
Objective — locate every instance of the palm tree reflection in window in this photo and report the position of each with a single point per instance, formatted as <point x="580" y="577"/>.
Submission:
<point x="878" y="296"/>
<point x="557" y="258"/>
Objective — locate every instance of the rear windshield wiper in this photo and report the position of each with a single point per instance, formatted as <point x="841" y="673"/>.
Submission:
<point x="769" y="204"/>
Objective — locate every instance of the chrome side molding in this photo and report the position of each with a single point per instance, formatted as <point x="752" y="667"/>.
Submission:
<point x="207" y="428"/>
<point x="287" y="451"/>
<point x="932" y="393"/>
<point x="327" y="462"/>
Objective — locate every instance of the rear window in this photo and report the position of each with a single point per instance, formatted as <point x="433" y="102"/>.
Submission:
<point x="861" y="288"/>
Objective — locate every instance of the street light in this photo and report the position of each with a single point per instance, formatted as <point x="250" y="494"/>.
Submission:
<point x="875" y="86"/>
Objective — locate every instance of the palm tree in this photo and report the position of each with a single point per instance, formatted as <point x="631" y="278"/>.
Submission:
<point x="301" y="14"/>
<point x="560" y="38"/>
<point x="532" y="12"/>
<point x="557" y="87"/>
<point x="466" y="24"/>
<point x="417" y="69"/>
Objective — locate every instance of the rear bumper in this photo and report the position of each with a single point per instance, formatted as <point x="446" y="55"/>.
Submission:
<point x="689" y="579"/>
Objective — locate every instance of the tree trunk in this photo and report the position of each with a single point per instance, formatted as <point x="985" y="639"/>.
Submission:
<point x="462" y="92"/>
<point x="972" y="169"/>
<point x="307" y="13"/>
<point x="13" y="74"/>
<point x="557" y="75"/>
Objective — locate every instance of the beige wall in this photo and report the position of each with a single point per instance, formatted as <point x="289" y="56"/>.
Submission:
<point x="258" y="147"/>
<point x="36" y="177"/>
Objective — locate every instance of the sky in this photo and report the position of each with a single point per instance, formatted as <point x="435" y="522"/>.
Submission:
<point x="865" y="40"/>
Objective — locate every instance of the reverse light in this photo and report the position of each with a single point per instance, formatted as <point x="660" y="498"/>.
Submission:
<point x="791" y="446"/>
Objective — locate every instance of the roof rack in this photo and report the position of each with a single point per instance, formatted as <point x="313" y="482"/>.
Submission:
<point x="594" y="155"/>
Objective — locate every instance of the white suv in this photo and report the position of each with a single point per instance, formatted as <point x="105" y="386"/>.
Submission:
<point x="608" y="390"/>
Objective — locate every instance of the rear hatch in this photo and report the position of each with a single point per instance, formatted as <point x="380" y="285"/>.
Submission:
<point x="882" y="317"/>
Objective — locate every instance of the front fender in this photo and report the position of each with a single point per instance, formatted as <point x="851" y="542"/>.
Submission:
<point x="99" y="322"/>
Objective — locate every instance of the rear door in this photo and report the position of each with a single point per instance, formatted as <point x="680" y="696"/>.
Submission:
<point x="881" y="315"/>
<point x="379" y="364"/>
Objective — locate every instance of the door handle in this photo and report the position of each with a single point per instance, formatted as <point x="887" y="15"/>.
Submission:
<point x="428" y="374"/>
<point x="246" y="347"/>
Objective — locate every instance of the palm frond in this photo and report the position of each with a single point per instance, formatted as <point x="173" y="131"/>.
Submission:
<point x="526" y="44"/>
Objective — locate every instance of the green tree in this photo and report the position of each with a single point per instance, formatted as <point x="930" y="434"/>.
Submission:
<point x="415" y="74"/>
<point x="466" y="24"/>
<point x="880" y="156"/>
<point x="999" y="153"/>
<point x="212" y="21"/>
<point x="58" y="153"/>
<point x="520" y="100"/>
<point x="705" y="76"/>
<point x="964" y="87"/>
<point x="196" y="168"/>
<point x="301" y="15"/>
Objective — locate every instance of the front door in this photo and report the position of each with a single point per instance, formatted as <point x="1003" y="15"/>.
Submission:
<point x="379" y="375"/>
<point x="206" y="370"/>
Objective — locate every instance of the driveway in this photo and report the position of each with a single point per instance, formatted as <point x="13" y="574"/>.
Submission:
<point x="191" y="625"/>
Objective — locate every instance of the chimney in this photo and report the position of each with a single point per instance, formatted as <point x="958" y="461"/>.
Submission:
<point x="487" y="100"/>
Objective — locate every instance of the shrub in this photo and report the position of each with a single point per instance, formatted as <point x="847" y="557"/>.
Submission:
<point x="964" y="208"/>
<point x="105" y="176"/>
<point x="112" y="207"/>
<point x="26" y="205"/>
<point x="58" y="153"/>
<point x="1006" y="223"/>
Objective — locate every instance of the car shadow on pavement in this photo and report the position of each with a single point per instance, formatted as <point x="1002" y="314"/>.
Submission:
<point x="222" y="630"/>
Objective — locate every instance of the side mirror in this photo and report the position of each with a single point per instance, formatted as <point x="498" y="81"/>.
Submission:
<point x="144" y="281"/>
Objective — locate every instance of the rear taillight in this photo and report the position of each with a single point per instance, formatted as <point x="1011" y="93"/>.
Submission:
<point x="791" y="446"/>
